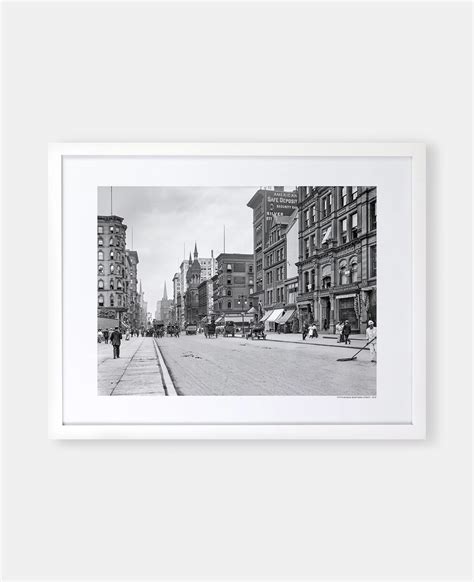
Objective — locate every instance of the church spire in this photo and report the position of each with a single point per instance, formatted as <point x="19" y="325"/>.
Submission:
<point x="190" y="259"/>
<point x="165" y="294"/>
<point x="195" y="250"/>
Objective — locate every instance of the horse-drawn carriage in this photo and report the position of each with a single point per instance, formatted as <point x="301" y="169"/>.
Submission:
<point x="172" y="330"/>
<point x="210" y="330"/>
<point x="257" y="331"/>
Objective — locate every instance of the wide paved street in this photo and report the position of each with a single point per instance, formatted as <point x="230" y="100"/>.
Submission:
<point x="235" y="366"/>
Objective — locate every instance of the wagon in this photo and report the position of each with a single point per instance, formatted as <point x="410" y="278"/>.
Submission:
<point x="210" y="330"/>
<point x="257" y="332"/>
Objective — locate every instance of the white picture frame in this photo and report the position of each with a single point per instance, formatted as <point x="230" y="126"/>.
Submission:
<point x="416" y="429"/>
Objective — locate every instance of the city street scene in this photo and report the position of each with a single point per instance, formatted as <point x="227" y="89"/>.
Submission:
<point x="237" y="291"/>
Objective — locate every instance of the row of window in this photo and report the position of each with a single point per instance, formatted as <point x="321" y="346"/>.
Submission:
<point x="279" y="275"/>
<point x="347" y="194"/>
<point x="348" y="272"/>
<point x="274" y="257"/>
<point x="113" y="270"/>
<point x="112" y="242"/>
<point x="119" y="302"/>
<point x="238" y="304"/>
<point x="113" y="255"/>
<point x="112" y="285"/>
<point x="112" y="228"/>
<point x="277" y="294"/>
<point x="238" y="268"/>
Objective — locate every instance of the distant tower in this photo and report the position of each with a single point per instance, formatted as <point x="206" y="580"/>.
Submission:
<point x="193" y="278"/>
<point x="165" y="294"/>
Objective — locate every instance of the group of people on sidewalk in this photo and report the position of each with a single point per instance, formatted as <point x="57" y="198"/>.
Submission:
<point x="115" y="338"/>
<point x="309" y="330"/>
<point x="343" y="331"/>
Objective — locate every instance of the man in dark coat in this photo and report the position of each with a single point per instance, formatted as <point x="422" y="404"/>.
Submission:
<point x="106" y="335"/>
<point x="115" y="340"/>
<point x="346" y="331"/>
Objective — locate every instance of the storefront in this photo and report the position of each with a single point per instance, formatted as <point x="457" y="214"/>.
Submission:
<point x="348" y="309"/>
<point x="285" y="322"/>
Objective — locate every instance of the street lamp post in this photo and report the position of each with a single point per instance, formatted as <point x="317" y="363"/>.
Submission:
<point x="242" y="300"/>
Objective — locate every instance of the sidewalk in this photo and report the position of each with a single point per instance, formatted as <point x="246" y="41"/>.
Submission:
<point x="137" y="371"/>
<point x="358" y="340"/>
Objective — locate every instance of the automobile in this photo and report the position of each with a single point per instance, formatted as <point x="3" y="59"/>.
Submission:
<point x="191" y="329"/>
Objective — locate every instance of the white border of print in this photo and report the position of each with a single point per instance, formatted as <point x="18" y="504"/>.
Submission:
<point x="413" y="430"/>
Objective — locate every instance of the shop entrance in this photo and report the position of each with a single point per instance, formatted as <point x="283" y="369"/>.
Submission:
<point x="347" y="311"/>
<point x="325" y="313"/>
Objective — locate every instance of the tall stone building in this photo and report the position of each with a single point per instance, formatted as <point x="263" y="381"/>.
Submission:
<point x="166" y="306"/>
<point x="193" y="279"/>
<point x="180" y="283"/>
<point x="132" y="283"/>
<point x="112" y="281"/>
<point x="266" y="205"/>
<point x="337" y="266"/>
<point x="234" y="287"/>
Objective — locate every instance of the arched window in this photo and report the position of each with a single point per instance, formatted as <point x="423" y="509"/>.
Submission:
<point x="354" y="270"/>
<point x="111" y="228"/>
<point x="326" y="282"/>
<point x="100" y="269"/>
<point x="119" y="300"/>
<point x="112" y="255"/>
<point x="229" y="304"/>
<point x="111" y="284"/>
<point x="100" y="284"/>
<point x="119" y="285"/>
<point x="112" y="300"/>
<point x="100" y="241"/>
<point x="111" y="241"/>
<point x="101" y="300"/>
<point x="343" y="273"/>
<point x="100" y="255"/>
<point x="112" y="268"/>
<point x="229" y="293"/>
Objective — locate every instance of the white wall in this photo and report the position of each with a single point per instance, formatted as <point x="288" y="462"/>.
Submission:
<point x="226" y="72"/>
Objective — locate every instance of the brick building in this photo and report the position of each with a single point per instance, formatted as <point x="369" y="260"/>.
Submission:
<point x="337" y="267"/>
<point x="234" y="286"/>
<point x="266" y="205"/>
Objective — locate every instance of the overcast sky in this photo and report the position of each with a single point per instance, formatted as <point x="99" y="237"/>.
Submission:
<point x="167" y="220"/>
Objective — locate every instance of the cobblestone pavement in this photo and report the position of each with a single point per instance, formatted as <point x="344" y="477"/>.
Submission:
<point x="235" y="366"/>
<point x="137" y="371"/>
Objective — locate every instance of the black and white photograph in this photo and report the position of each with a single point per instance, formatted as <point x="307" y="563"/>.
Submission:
<point x="237" y="291"/>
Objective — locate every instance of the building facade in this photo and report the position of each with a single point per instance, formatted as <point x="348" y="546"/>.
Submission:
<point x="234" y="286"/>
<point x="166" y="307"/>
<point x="280" y="276"/>
<point x="266" y="205"/>
<point x="132" y="284"/>
<point x="112" y="281"/>
<point x="337" y="266"/>
<point x="193" y="279"/>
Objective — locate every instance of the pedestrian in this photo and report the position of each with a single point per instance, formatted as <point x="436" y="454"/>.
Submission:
<point x="325" y="325"/>
<point x="339" y="327"/>
<point x="305" y="330"/>
<point x="313" y="331"/>
<point x="100" y="336"/>
<point x="127" y="334"/>
<point x="115" y="340"/>
<point x="106" y="335"/>
<point x="346" y="331"/>
<point x="371" y="334"/>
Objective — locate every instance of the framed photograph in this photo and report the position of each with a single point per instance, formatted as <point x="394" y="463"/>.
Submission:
<point x="237" y="291"/>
